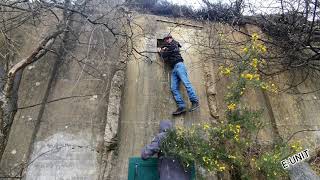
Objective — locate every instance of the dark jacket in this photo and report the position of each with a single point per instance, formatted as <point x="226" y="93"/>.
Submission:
<point x="169" y="169"/>
<point x="171" y="54"/>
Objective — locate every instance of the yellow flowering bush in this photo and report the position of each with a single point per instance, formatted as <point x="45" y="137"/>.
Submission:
<point x="269" y="161"/>
<point x="203" y="144"/>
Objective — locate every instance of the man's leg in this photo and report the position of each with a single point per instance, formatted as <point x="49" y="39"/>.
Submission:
<point x="183" y="75"/>
<point x="175" y="82"/>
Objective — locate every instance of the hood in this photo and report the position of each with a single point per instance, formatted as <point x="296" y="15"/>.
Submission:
<point x="165" y="125"/>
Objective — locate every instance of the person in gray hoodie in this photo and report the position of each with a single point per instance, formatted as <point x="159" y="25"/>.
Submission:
<point x="169" y="168"/>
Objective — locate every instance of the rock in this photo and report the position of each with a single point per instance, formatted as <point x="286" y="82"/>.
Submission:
<point x="113" y="113"/>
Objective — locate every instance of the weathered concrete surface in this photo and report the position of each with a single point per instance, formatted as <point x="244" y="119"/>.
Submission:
<point x="147" y="97"/>
<point x="301" y="171"/>
<point x="31" y="91"/>
<point x="63" y="156"/>
<point x="82" y="118"/>
<point x="73" y="133"/>
<point x="75" y="117"/>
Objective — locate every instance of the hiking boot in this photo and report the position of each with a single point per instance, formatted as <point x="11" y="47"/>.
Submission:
<point x="179" y="111"/>
<point x="194" y="106"/>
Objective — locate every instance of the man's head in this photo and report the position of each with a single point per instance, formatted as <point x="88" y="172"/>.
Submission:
<point x="168" y="38"/>
<point x="165" y="125"/>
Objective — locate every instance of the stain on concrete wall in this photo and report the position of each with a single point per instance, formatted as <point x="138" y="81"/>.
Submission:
<point x="63" y="156"/>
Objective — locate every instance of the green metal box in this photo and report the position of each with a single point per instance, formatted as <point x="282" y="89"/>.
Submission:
<point x="146" y="169"/>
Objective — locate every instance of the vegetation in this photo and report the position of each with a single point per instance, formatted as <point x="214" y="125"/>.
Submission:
<point x="219" y="11"/>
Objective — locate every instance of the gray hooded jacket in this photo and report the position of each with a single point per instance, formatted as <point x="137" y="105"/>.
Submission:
<point x="169" y="169"/>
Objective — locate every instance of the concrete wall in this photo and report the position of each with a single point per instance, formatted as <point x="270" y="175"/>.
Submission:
<point x="63" y="139"/>
<point x="147" y="97"/>
<point x="67" y="139"/>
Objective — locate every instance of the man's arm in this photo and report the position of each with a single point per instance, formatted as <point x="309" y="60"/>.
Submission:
<point x="173" y="48"/>
<point x="167" y="50"/>
<point x="163" y="52"/>
<point x="152" y="148"/>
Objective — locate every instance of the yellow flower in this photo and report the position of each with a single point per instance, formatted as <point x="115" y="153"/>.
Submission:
<point x="226" y="71"/>
<point x="236" y="137"/>
<point x="206" y="159"/>
<point x="238" y="128"/>
<point x="232" y="106"/>
<point x="264" y="86"/>
<point x="255" y="37"/>
<point x="256" y="76"/>
<point x="296" y="146"/>
<point x="274" y="88"/>
<point x="206" y="126"/>
<point x="245" y="49"/>
<point x="222" y="168"/>
<point x="248" y="76"/>
<point x="254" y="62"/>
<point x="231" y="157"/>
<point x="262" y="48"/>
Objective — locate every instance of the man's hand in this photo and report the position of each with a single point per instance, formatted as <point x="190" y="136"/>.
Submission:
<point x="161" y="49"/>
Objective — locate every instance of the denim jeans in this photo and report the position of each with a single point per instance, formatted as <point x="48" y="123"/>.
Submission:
<point x="179" y="73"/>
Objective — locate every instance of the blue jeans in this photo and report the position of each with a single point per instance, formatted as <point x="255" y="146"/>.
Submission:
<point x="179" y="73"/>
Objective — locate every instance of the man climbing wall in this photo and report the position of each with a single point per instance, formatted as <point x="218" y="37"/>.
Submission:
<point x="171" y="54"/>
